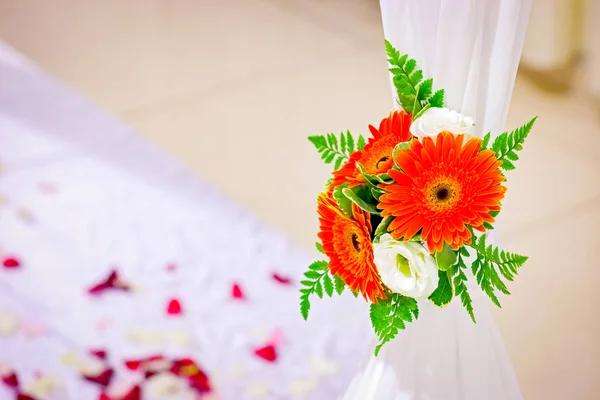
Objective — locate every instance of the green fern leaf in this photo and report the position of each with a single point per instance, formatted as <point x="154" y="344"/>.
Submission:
<point x="360" y="144"/>
<point x="339" y="284"/>
<point x="333" y="148"/>
<point x="319" y="247"/>
<point x="485" y="141"/>
<point x="390" y="316"/>
<point x="328" y="285"/>
<point x="349" y="142"/>
<point x="460" y="286"/>
<point x="437" y="100"/>
<point x="508" y="143"/>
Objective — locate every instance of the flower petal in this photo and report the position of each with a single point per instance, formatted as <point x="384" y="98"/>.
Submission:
<point x="268" y="353"/>
<point x="174" y="307"/>
<point x="11" y="263"/>
<point x="236" y="292"/>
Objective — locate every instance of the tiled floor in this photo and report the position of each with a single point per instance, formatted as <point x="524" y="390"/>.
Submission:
<point x="233" y="88"/>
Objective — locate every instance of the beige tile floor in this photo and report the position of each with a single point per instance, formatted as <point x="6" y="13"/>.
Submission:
<point x="233" y="88"/>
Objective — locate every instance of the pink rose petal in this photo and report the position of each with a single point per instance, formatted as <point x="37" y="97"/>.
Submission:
<point x="284" y="280"/>
<point x="111" y="282"/>
<point x="236" y="292"/>
<point x="101" y="354"/>
<point x="11" y="263"/>
<point x="172" y="267"/>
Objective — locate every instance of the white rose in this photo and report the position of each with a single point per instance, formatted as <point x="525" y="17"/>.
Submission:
<point x="436" y="120"/>
<point x="406" y="268"/>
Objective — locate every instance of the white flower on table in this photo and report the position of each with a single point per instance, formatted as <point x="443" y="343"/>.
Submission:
<point x="406" y="268"/>
<point x="436" y="120"/>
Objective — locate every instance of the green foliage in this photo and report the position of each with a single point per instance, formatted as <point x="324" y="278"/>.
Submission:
<point x="342" y="201"/>
<point x="319" y="247"/>
<point x="491" y="265"/>
<point x="339" y="284"/>
<point x="362" y="197"/>
<point x="445" y="258"/>
<point x="442" y="296"/>
<point x="508" y="143"/>
<point x="320" y="282"/>
<point x="334" y="148"/>
<point x="391" y="315"/>
<point x="414" y="93"/>
<point x="361" y="143"/>
<point x="485" y="141"/>
<point x="383" y="225"/>
<point x="459" y="282"/>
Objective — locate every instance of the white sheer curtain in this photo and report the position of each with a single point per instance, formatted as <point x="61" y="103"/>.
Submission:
<point x="471" y="48"/>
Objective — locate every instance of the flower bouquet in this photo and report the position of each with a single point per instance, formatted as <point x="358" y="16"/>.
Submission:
<point x="407" y="210"/>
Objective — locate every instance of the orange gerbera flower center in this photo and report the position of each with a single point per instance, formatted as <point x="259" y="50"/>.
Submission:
<point x="442" y="189"/>
<point x="442" y="193"/>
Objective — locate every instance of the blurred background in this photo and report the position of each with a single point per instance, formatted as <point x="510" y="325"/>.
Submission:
<point x="233" y="88"/>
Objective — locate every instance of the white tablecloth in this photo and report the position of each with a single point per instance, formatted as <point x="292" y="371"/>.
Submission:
<point x="83" y="195"/>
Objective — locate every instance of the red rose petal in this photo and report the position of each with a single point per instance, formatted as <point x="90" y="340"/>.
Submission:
<point x="236" y="292"/>
<point x="104" y="396"/>
<point x="111" y="282"/>
<point x="23" y="396"/>
<point x="134" y="394"/>
<point x="101" y="354"/>
<point x="102" y="379"/>
<point x="174" y="307"/>
<point x="11" y="380"/>
<point x="133" y="365"/>
<point x="267" y="352"/>
<point x="11" y="263"/>
<point x="284" y="280"/>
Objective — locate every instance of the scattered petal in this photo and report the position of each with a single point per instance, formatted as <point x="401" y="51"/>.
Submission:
<point x="124" y="391"/>
<point x="171" y="267"/>
<point x="70" y="358"/>
<point x="104" y="322"/>
<point x="9" y="376"/>
<point x="181" y="338"/>
<point x="256" y="390"/>
<point x="236" y="292"/>
<point x="302" y="387"/>
<point x="197" y="379"/>
<point x="11" y="262"/>
<point x="284" y="280"/>
<point x="111" y="282"/>
<point x="42" y="386"/>
<point x="276" y="337"/>
<point x="238" y="371"/>
<point x="141" y="336"/>
<point x="101" y="354"/>
<point x="149" y="365"/>
<point x="323" y="366"/>
<point x="268" y="353"/>
<point x="174" y="307"/>
<point x="48" y="187"/>
<point x="9" y="323"/>
<point x="33" y="329"/>
<point x="93" y="370"/>
<point x="25" y="215"/>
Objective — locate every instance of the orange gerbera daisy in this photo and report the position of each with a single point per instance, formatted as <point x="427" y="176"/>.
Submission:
<point x="442" y="188"/>
<point x="376" y="157"/>
<point x="347" y="243"/>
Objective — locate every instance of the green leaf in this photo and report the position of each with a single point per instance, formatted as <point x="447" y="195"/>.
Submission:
<point x="343" y="201"/>
<point x="319" y="266"/>
<point x="425" y="89"/>
<point x="319" y="288"/>
<point x="491" y="265"/>
<point x="406" y="78"/>
<point x="445" y="258"/>
<point x="460" y="284"/>
<point x="485" y="141"/>
<point x="361" y="143"/>
<point x="319" y="247"/>
<point x="390" y="316"/>
<point x="304" y="306"/>
<point x="315" y="273"/>
<point x="328" y="285"/>
<point x="352" y="195"/>
<point x="442" y="296"/>
<point x="508" y="143"/>
<point x="339" y="284"/>
<point x="383" y="225"/>
<point x="349" y="142"/>
<point x="333" y="148"/>
<point x="437" y="100"/>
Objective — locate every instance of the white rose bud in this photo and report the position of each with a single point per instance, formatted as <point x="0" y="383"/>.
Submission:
<point x="436" y="120"/>
<point x="406" y="268"/>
